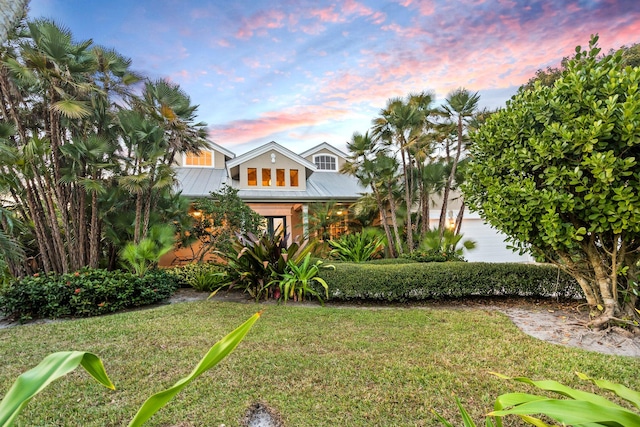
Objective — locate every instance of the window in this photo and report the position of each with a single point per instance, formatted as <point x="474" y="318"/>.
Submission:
<point x="205" y="158"/>
<point x="325" y="162"/>
<point x="252" y="176"/>
<point x="293" y="177"/>
<point x="266" y="177"/>
<point x="280" y="178"/>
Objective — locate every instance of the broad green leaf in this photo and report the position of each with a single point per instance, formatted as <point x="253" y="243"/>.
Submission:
<point x="51" y="368"/>
<point x="626" y="393"/>
<point x="556" y="387"/>
<point x="574" y="412"/>
<point x="72" y="108"/>
<point x="218" y="352"/>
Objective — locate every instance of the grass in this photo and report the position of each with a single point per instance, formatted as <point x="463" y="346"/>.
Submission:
<point x="317" y="366"/>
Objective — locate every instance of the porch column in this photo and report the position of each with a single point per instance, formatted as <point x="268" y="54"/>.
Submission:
<point x="305" y="220"/>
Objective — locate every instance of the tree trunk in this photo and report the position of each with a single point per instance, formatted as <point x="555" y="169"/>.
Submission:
<point x="407" y="197"/>
<point x="447" y="187"/>
<point x="385" y="223"/>
<point x="94" y="239"/>
<point x="459" y="218"/>
<point x="394" y="221"/>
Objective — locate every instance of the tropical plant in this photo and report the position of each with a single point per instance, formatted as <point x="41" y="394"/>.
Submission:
<point x="444" y="243"/>
<point x="358" y="247"/>
<point x="579" y="408"/>
<point x="403" y="122"/>
<point x="77" y="146"/>
<point x="298" y="279"/>
<point x="219" y="218"/>
<point x="146" y="254"/>
<point x="556" y="171"/>
<point x="362" y="149"/>
<point x="254" y="262"/>
<point x="460" y="107"/>
<point x="59" y="364"/>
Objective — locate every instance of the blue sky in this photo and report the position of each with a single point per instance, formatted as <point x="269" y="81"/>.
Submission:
<point x="305" y="72"/>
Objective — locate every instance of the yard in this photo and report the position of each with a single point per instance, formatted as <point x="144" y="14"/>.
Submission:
<point x="317" y="366"/>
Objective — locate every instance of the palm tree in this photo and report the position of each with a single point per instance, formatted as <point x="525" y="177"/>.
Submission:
<point x="362" y="149"/>
<point x="403" y="122"/>
<point x="460" y="107"/>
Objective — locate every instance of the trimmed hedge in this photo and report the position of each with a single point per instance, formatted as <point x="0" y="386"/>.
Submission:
<point x="89" y="292"/>
<point x="422" y="281"/>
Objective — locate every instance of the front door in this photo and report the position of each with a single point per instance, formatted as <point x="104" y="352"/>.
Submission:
<point x="276" y="224"/>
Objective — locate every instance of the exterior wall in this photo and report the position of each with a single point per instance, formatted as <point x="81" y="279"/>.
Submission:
<point x="218" y="160"/>
<point x="287" y="210"/>
<point x="490" y="243"/>
<point x="340" y="161"/>
<point x="281" y="162"/>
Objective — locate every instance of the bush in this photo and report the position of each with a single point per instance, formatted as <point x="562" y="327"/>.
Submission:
<point x="201" y="277"/>
<point x="88" y="292"/>
<point x="357" y="247"/>
<point x="420" y="281"/>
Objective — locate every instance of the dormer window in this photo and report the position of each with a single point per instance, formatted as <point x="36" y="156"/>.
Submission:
<point x="326" y="162"/>
<point x="205" y="158"/>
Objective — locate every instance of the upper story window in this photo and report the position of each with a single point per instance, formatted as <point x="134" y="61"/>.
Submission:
<point x="293" y="177"/>
<point x="252" y="176"/>
<point x="280" y="178"/>
<point x="205" y="158"/>
<point x="326" y="162"/>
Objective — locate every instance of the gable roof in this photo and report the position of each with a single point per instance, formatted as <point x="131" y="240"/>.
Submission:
<point x="217" y="147"/>
<point x="324" y="146"/>
<point x="265" y="149"/>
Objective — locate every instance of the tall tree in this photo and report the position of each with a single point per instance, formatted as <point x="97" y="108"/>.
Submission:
<point x="402" y="123"/>
<point x="557" y="172"/>
<point x="460" y="105"/>
<point x="362" y="149"/>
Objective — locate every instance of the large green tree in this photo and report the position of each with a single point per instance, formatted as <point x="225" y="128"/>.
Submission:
<point x="557" y="171"/>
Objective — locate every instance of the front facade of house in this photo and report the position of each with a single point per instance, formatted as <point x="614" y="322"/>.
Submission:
<point x="274" y="181"/>
<point x="283" y="186"/>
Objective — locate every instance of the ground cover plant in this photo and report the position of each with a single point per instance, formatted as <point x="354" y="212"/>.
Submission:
<point x="316" y="366"/>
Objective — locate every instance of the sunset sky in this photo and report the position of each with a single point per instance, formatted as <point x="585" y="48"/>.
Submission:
<point x="305" y="72"/>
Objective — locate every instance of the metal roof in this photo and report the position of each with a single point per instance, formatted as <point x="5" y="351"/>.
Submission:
<point x="199" y="182"/>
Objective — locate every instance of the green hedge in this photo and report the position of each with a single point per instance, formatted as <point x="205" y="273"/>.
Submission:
<point x="88" y="292"/>
<point x="421" y="281"/>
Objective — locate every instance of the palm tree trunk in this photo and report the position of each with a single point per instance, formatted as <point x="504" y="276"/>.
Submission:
<point x="136" y="232"/>
<point x="447" y="187"/>
<point x="459" y="217"/>
<point x="94" y="239"/>
<point x="385" y="222"/>
<point x="407" y="200"/>
<point x="394" y="222"/>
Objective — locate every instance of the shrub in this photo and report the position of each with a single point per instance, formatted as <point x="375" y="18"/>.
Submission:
<point x="255" y="262"/>
<point x="298" y="279"/>
<point x="88" y="292"/>
<point x="419" y="281"/>
<point x="201" y="277"/>
<point x="357" y="247"/>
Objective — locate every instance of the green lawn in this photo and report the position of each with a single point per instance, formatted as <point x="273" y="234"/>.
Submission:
<point x="318" y="366"/>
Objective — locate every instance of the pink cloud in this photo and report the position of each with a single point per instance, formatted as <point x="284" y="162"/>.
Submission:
<point x="327" y="14"/>
<point x="260" y="22"/>
<point x="272" y="122"/>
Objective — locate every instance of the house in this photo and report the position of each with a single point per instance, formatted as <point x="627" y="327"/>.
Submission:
<point x="283" y="187"/>
<point x="274" y="181"/>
